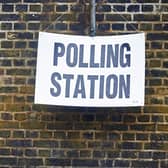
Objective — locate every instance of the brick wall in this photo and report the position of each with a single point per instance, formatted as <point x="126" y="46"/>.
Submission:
<point x="50" y="136"/>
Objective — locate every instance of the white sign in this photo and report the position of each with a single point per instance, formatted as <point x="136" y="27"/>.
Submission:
<point x="101" y="71"/>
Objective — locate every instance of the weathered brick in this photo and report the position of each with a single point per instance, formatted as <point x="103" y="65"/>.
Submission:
<point x="118" y="26"/>
<point x="58" y="162"/>
<point x="106" y="163"/>
<point x="113" y="154"/>
<point x="36" y="1"/>
<point x="9" y="54"/>
<point x="163" y="54"/>
<point x="19" y="26"/>
<point x="2" y="107"/>
<point x="99" y="154"/>
<point x="60" y="135"/>
<point x="129" y="118"/>
<point x="155" y="82"/>
<point x="163" y="164"/>
<point x="165" y="64"/>
<point x="6" y="44"/>
<point x="159" y="73"/>
<point x="72" y="153"/>
<point x="86" y="162"/>
<point x="36" y="17"/>
<point x="133" y="8"/>
<point x="156" y="109"/>
<point x="30" y="162"/>
<point x="129" y="154"/>
<point x="131" y="26"/>
<point x="155" y="63"/>
<point x="157" y="118"/>
<point x="104" y="8"/>
<point x="61" y="26"/>
<point x="46" y="134"/>
<point x="9" y="124"/>
<point x="140" y="164"/>
<point x="58" y="153"/>
<point x="32" y="125"/>
<point x="76" y="27"/>
<point x="119" y="127"/>
<point x="7" y="8"/>
<point x="130" y="145"/>
<point x="59" y="126"/>
<point x="156" y="45"/>
<point x="114" y="136"/>
<point x="8" y="161"/>
<point x="156" y="146"/>
<point x="21" y="7"/>
<point x="147" y="8"/>
<point x="162" y="127"/>
<point x="6" y="26"/>
<point x="119" y="8"/>
<point x="19" y="62"/>
<point x="88" y="117"/>
<point x="165" y="17"/>
<point x="44" y="153"/>
<point x="119" y="1"/>
<point x="6" y="116"/>
<point x="9" y="17"/>
<point x="156" y="101"/>
<point x="116" y="118"/>
<point x="157" y="36"/>
<point x="144" y="118"/>
<point x="33" y="26"/>
<point x="128" y="136"/>
<point x="17" y="152"/>
<point x="5" y="62"/>
<point x="5" y="134"/>
<point x="87" y="126"/>
<point x="19" y="143"/>
<point x="121" y="163"/>
<point x="5" y="99"/>
<point x="76" y="135"/>
<point x="73" y="144"/>
<point x="19" y="80"/>
<point x="32" y="134"/>
<point x="18" y="134"/>
<point x="85" y="153"/>
<point x="142" y="136"/>
<point x="9" y="1"/>
<point x="30" y="152"/>
<point x="145" y="155"/>
<point x="99" y="17"/>
<point x="33" y="44"/>
<point x="35" y="8"/>
<point x="101" y="135"/>
<point x="17" y="71"/>
<point x="148" y="1"/>
<point x="2" y="35"/>
<point x="143" y="127"/>
<point x="45" y="143"/>
<point x="104" y="26"/>
<point x="99" y="145"/>
<point x="48" y="8"/>
<point x="159" y="155"/>
<point x="4" y="151"/>
<point x="117" y="17"/>
<point x="62" y="8"/>
<point x="26" y="89"/>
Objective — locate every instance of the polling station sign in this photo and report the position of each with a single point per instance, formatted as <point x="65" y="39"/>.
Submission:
<point x="101" y="71"/>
